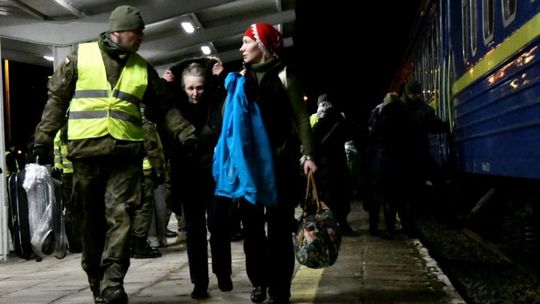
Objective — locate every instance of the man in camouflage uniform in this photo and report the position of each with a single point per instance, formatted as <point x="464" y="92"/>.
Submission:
<point x="103" y="84"/>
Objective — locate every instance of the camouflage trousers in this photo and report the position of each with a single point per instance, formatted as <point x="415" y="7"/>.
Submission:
<point x="107" y="191"/>
<point x="142" y="215"/>
<point x="73" y="214"/>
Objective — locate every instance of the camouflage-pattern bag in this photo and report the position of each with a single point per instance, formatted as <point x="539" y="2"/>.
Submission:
<point x="317" y="241"/>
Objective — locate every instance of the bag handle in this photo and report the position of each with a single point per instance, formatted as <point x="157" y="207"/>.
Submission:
<point x="311" y="185"/>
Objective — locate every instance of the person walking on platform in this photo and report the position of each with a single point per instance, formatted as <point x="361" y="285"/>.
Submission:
<point x="153" y="173"/>
<point x="73" y="213"/>
<point x="193" y="185"/>
<point x="419" y="165"/>
<point x="103" y="83"/>
<point x="256" y="159"/>
<point x="331" y="131"/>
<point x="387" y="139"/>
<point x="172" y="83"/>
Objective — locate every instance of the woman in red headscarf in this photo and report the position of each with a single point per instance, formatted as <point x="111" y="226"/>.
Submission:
<point x="277" y="92"/>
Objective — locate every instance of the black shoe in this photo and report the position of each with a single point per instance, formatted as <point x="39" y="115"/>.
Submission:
<point x="97" y="296"/>
<point x="170" y="233"/>
<point x="143" y="250"/>
<point x="199" y="292"/>
<point x="225" y="283"/>
<point x="48" y="245"/>
<point x="258" y="294"/>
<point x="278" y="300"/>
<point x="237" y="236"/>
<point x="114" y="295"/>
<point x="99" y="300"/>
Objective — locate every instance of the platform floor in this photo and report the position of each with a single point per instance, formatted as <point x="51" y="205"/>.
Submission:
<point x="369" y="270"/>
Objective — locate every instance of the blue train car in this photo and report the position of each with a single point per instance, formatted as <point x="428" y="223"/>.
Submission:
<point x="496" y="89"/>
<point x="478" y="62"/>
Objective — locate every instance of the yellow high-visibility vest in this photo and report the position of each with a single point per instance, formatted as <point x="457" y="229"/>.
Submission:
<point x="313" y="119"/>
<point x="60" y="155"/>
<point x="146" y="164"/>
<point x="97" y="110"/>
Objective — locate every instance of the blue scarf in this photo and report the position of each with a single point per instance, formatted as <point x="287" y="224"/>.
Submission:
<point x="243" y="161"/>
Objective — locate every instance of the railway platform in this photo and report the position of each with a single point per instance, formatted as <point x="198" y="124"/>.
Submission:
<point x="369" y="270"/>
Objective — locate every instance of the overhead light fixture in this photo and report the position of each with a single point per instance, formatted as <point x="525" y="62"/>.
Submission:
<point x="48" y="58"/>
<point x="206" y="50"/>
<point x="188" y="27"/>
<point x="189" y="23"/>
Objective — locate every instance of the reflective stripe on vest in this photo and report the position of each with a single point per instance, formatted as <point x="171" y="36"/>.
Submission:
<point x="146" y="164"/>
<point x="97" y="110"/>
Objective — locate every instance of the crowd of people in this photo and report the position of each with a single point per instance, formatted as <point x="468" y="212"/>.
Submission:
<point x="231" y="148"/>
<point x="399" y="158"/>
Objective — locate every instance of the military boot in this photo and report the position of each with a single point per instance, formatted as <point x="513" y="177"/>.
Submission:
<point x="142" y="250"/>
<point x="114" y="295"/>
<point x="97" y="295"/>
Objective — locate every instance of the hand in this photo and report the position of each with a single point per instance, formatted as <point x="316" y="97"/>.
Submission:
<point x="168" y="76"/>
<point x="217" y="68"/>
<point x="191" y="146"/>
<point x="42" y="154"/>
<point x="309" y="166"/>
<point x="56" y="173"/>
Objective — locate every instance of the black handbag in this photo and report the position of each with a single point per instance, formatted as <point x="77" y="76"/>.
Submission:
<point x="317" y="240"/>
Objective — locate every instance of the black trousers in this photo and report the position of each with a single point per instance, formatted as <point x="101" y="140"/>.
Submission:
<point x="197" y="201"/>
<point x="269" y="252"/>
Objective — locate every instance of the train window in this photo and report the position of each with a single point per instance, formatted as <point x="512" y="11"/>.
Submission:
<point x="488" y="20"/>
<point x="474" y="27"/>
<point x="465" y="29"/>
<point x="509" y="8"/>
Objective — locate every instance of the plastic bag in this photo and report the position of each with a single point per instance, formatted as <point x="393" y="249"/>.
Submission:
<point x="318" y="239"/>
<point x="45" y="211"/>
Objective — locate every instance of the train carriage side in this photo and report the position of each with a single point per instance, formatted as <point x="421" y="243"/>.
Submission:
<point x="480" y="65"/>
<point x="495" y="102"/>
<point x="496" y="92"/>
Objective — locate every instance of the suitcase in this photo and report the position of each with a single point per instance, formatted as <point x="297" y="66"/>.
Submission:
<point x="45" y="210"/>
<point x="18" y="216"/>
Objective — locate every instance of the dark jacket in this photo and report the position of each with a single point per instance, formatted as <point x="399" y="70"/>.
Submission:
<point x="191" y="169"/>
<point x="330" y="134"/>
<point x="277" y="103"/>
<point x="420" y="120"/>
<point x="207" y="115"/>
<point x="388" y="125"/>
<point x="286" y="120"/>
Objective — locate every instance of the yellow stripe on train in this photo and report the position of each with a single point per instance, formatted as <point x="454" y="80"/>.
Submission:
<point x="500" y="53"/>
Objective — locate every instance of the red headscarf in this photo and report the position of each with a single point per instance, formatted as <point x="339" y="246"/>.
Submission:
<point x="266" y="36"/>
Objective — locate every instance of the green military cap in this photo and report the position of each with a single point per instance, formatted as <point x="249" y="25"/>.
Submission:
<point x="125" y="18"/>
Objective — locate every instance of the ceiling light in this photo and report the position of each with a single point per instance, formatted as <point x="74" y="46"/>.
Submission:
<point x="206" y="50"/>
<point x="188" y="27"/>
<point x="48" y="58"/>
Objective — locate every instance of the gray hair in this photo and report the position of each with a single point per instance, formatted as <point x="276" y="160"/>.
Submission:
<point x="193" y="69"/>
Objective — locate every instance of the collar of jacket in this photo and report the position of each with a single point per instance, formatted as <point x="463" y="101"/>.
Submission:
<point x="260" y="69"/>
<point x="113" y="49"/>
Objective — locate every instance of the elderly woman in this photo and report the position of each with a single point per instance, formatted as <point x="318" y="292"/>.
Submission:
<point x="271" y="96"/>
